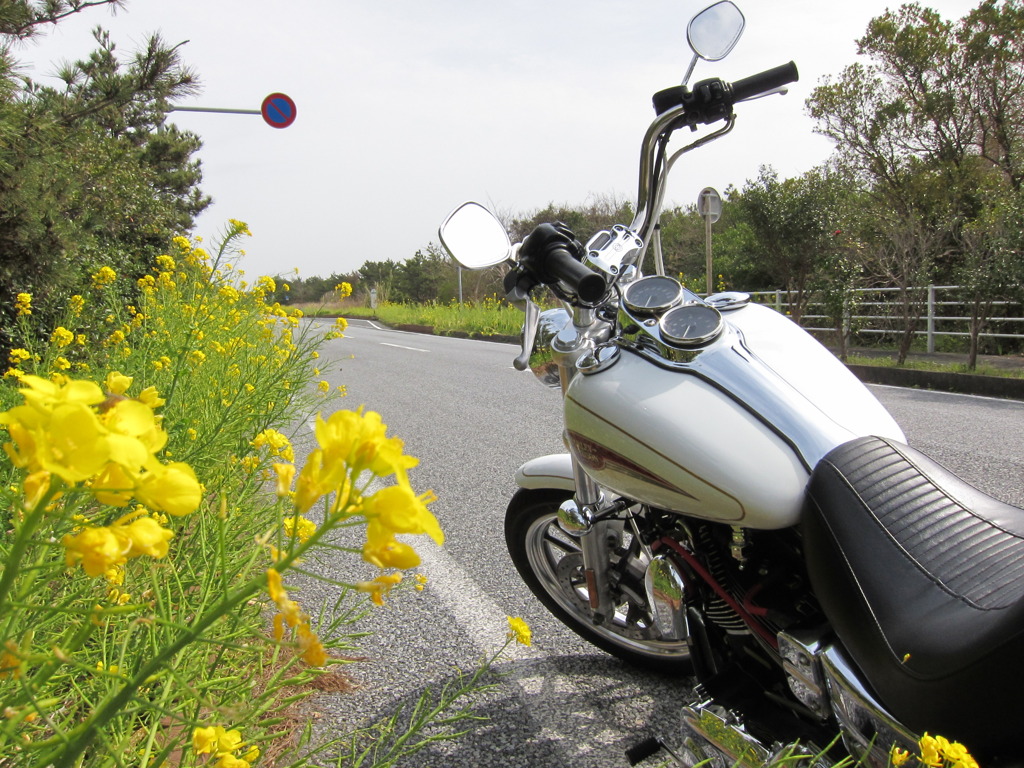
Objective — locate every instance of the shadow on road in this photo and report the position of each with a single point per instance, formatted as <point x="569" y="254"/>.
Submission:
<point x="560" y="711"/>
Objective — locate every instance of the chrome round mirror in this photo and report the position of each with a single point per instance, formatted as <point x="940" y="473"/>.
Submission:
<point x="474" y="237"/>
<point x="714" y="32"/>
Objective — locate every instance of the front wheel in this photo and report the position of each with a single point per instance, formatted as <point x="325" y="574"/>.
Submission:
<point x="551" y="563"/>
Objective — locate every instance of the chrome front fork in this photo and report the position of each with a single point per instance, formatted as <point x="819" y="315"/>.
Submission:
<point x="580" y="516"/>
<point x="577" y="518"/>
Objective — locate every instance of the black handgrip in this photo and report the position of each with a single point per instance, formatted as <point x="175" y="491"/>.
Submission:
<point x="551" y="254"/>
<point x="765" y="81"/>
<point x="560" y="264"/>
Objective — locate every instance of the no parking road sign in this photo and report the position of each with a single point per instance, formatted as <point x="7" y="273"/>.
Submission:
<point x="278" y="110"/>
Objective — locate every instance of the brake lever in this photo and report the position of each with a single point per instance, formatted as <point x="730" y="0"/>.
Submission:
<point x="521" y="299"/>
<point x="781" y="91"/>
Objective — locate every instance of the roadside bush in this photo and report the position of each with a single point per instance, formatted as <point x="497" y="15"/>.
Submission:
<point x="142" y="543"/>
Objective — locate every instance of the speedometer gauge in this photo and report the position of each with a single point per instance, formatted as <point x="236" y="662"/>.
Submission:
<point x="652" y="295"/>
<point x="691" y="325"/>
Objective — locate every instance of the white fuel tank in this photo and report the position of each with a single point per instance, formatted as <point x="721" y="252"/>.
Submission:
<point x="731" y="435"/>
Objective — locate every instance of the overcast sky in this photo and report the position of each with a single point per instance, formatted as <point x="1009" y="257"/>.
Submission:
<point x="408" y="107"/>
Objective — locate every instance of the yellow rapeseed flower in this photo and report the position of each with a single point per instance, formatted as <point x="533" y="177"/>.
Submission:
<point x="151" y="397"/>
<point x="23" y="303"/>
<point x="215" y="740"/>
<point x="10" y="665"/>
<point x="204" y="740"/>
<point x="61" y="336"/>
<point x="103" y="277"/>
<point x="337" y="331"/>
<point x="898" y="757"/>
<point x="275" y="586"/>
<point x="172" y="488"/>
<point x="400" y="510"/>
<point x="519" y="630"/>
<point x="147" y="537"/>
<point x="357" y="440"/>
<point x="18" y="356"/>
<point x="938" y="751"/>
<point x="383" y="550"/>
<point x="278" y="444"/>
<point x="69" y="442"/>
<point x="117" y="383"/>
<point x="379" y="586"/>
<point x="114" y="575"/>
<point x="238" y="227"/>
<point x="96" y="549"/>
<point x="311" y="650"/>
<point x="228" y="760"/>
<point x="102" y="550"/>
<point x="298" y="527"/>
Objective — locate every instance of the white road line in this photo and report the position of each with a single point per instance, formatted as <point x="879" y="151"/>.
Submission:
<point x="948" y="394"/>
<point x="478" y="616"/>
<point x="402" y="346"/>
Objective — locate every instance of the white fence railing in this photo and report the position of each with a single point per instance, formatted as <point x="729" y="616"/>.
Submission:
<point x="944" y="311"/>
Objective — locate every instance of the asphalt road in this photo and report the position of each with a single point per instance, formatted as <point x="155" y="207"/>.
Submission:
<point x="472" y="420"/>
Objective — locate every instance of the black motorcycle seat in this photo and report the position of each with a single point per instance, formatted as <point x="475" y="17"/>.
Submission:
<point x="922" y="577"/>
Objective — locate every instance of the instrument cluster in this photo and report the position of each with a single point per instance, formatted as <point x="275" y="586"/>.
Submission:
<point x="669" y="313"/>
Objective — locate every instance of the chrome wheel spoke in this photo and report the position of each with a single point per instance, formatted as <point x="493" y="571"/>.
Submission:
<point x="557" y="560"/>
<point x="559" y="540"/>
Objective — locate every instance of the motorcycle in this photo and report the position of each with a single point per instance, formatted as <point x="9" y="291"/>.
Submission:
<point x="734" y="504"/>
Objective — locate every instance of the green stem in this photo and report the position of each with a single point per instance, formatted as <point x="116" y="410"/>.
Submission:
<point x="151" y="738"/>
<point x="66" y="755"/>
<point x="22" y="540"/>
<point x="46" y="671"/>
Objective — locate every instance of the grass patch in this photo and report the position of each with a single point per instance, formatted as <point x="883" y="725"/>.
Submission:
<point x="884" y="361"/>
<point x="489" y="317"/>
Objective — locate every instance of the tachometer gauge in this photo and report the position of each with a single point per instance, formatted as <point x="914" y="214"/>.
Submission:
<point x="652" y="295"/>
<point x="691" y="325"/>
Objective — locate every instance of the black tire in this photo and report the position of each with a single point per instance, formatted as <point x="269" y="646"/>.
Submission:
<point x="550" y="562"/>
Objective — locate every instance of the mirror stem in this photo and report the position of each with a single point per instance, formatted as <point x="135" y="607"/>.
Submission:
<point x="689" y="69"/>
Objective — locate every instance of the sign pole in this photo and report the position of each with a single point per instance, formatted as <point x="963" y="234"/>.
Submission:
<point x="707" y="250"/>
<point x="278" y="110"/>
<point x="709" y="205"/>
<point x="216" y="109"/>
